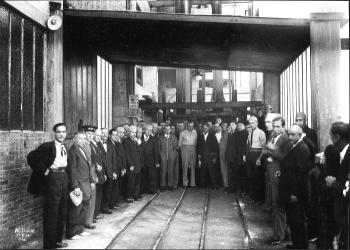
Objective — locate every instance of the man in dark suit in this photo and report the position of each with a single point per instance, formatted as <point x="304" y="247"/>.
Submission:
<point x="133" y="165"/>
<point x="49" y="178"/>
<point x="80" y="182"/>
<point x="151" y="161"/>
<point x="167" y="154"/>
<point x="107" y="155"/>
<point x="121" y="160"/>
<point x="97" y="159"/>
<point x="208" y="154"/>
<point x="293" y="186"/>
<point x="274" y="152"/>
<point x="113" y="161"/>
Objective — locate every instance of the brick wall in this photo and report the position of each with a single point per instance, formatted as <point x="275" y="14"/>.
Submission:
<point x="20" y="212"/>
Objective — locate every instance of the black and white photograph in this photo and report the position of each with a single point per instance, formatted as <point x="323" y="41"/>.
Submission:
<point x="174" y="124"/>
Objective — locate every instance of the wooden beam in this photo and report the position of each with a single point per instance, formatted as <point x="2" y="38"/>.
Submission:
<point x="188" y="18"/>
<point x="200" y="105"/>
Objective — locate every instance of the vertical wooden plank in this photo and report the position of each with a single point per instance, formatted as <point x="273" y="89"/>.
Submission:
<point x="84" y="89"/>
<point x="39" y="78"/>
<point x="73" y="94"/>
<point x="89" y="90"/>
<point x="4" y="66"/>
<point x="103" y="96"/>
<point x="79" y="90"/>
<point x="95" y="89"/>
<point x="15" y="108"/>
<point x="110" y="96"/>
<point x="67" y="89"/>
<point x="33" y="82"/>
<point x="28" y="76"/>
<point x="99" y="123"/>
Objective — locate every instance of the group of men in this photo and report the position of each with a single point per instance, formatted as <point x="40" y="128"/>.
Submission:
<point x="270" y="164"/>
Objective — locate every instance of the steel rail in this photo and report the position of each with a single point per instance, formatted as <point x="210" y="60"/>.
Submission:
<point x="204" y="222"/>
<point x="128" y="224"/>
<point x="171" y="217"/>
<point x="245" y="225"/>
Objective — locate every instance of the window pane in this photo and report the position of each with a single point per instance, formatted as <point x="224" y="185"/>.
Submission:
<point x="28" y="76"/>
<point x="4" y="31"/>
<point x="15" y="109"/>
<point x="39" y="56"/>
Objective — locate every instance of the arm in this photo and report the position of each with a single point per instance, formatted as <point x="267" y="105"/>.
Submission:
<point x="72" y="170"/>
<point x="36" y="159"/>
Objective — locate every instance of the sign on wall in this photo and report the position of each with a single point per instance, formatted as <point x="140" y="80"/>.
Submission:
<point x="133" y="101"/>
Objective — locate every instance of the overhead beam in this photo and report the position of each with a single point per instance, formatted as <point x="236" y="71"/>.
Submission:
<point x="188" y="18"/>
<point x="199" y="105"/>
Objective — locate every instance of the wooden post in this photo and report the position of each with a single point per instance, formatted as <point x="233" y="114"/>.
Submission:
<point x="54" y="111"/>
<point x="325" y="46"/>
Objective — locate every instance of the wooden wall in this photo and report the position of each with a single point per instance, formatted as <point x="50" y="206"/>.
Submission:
<point x="80" y="88"/>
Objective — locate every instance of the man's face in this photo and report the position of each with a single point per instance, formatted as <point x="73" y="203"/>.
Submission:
<point x="300" y="121"/>
<point x="132" y="133"/>
<point x="205" y="129"/>
<point x="253" y="124"/>
<point x="97" y="137"/>
<point x="181" y="127"/>
<point x="268" y="123"/>
<point x="104" y="135"/>
<point x="233" y="126"/>
<point x="80" y="140"/>
<point x="114" y="136"/>
<point x="148" y="131"/>
<point x="172" y="129"/>
<point x="293" y="135"/>
<point x="167" y="130"/>
<point x="89" y="135"/>
<point x="60" y="133"/>
<point x="224" y="126"/>
<point x="240" y="127"/>
<point x="190" y="126"/>
<point x="217" y="128"/>
<point x="277" y="127"/>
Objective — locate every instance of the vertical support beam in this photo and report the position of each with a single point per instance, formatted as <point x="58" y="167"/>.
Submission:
<point x="183" y="6"/>
<point x="54" y="111"/>
<point x="325" y="47"/>
<point x="272" y="90"/>
<point x="216" y="7"/>
<point x="218" y="85"/>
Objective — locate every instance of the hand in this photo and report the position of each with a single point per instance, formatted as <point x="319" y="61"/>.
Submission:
<point x="277" y="174"/>
<point x="157" y="165"/>
<point x="293" y="198"/>
<point x="132" y="168"/>
<point x="330" y="180"/>
<point x="122" y="172"/>
<point x="258" y="162"/>
<point x="77" y="191"/>
<point x="92" y="186"/>
<point x="214" y="160"/>
<point x="244" y="158"/>
<point x="114" y="176"/>
<point x="47" y="172"/>
<point x="199" y="164"/>
<point x="105" y="177"/>
<point x="271" y="146"/>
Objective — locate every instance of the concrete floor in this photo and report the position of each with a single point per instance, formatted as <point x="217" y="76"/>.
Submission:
<point x="224" y="227"/>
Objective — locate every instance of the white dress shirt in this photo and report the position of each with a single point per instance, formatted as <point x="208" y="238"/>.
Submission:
<point x="61" y="156"/>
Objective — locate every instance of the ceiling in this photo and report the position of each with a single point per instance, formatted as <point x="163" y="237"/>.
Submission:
<point x="196" y="41"/>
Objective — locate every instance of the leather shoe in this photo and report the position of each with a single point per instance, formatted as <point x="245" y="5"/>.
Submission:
<point x="100" y="216"/>
<point x="275" y="242"/>
<point x="94" y="221"/>
<point x="290" y="246"/>
<point x="106" y="212"/>
<point x="90" y="226"/>
<point x="113" y="207"/>
<point x="61" y="245"/>
<point x="129" y="200"/>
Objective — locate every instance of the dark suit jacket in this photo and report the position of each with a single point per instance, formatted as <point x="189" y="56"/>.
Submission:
<point x="208" y="149"/>
<point x="282" y="145"/>
<point x="121" y="160"/>
<point x="96" y="158"/>
<point x="236" y="146"/>
<point x="40" y="160"/>
<point x="311" y="134"/>
<point x="109" y="158"/>
<point x="294" y="174"/>
<point x="79" y="172"/>
<point x="151" y="157"/>
<point x="132" y="156"/>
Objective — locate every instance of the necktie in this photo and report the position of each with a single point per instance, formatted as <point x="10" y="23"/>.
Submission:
<point x="63" y="150"/>
<point x="251" y="138"/>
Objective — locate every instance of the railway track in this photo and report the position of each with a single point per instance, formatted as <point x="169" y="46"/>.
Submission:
<point x="168" y="217"/>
